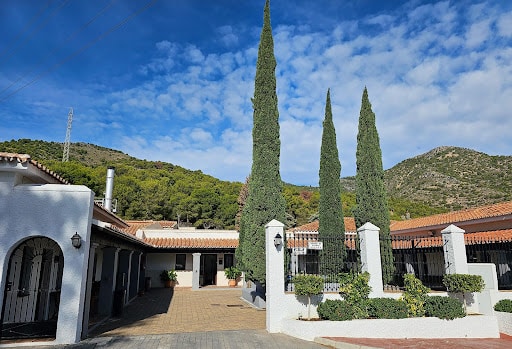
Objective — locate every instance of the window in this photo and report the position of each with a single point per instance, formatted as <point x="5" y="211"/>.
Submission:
<point x="181" y="259"/>
<point x="228" y="260"/>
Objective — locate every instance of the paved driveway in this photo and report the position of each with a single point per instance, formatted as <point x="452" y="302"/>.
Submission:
<point x="182" y="318"/>
<point x="182" y="310"/>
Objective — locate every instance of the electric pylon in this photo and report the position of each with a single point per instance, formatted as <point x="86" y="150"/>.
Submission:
<point x="65" y="155"/>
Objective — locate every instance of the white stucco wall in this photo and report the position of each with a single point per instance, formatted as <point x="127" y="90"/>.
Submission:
<point x="156" y="262"/>
<point x="55" y="211"/>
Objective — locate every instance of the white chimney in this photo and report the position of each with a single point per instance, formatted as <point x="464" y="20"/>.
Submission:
<point x="109" y="189"/>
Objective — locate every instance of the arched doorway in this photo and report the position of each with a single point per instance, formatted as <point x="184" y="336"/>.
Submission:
<point x="32" y="292"/>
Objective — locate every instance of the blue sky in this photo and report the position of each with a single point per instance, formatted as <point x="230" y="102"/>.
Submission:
<point x="174" y="82"/>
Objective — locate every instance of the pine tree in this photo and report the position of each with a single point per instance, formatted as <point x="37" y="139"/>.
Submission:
<point x="265" y="201"/>
<point x="371" y="198"/>
<point x="331" y="230"/>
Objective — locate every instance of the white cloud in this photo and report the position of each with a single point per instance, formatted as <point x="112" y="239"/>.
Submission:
<point x="504" y="24"/>
<point x="228" y="37"/>
<point x="478" y="34"/>
<point x="440" y="74"/>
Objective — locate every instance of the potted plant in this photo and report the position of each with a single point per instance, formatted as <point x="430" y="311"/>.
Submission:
<point x="169" y="277"/>
<point x="232" y="274"/>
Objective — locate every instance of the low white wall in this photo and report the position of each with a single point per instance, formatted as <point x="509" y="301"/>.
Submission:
<point x="478" y="326"/>
<point x="504" y="322"/>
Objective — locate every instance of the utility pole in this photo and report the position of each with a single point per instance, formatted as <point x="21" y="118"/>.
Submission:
<point x="65" y="155"/>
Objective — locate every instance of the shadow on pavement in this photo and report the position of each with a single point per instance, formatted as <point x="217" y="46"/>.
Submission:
<point x="156" y="301"/>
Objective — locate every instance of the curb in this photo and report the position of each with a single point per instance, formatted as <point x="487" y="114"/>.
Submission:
<point x="340" y="345"/>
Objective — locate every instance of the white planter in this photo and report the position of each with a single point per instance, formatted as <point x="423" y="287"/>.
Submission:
<point x="475" y="326"/>
<point x="504" y="322"/>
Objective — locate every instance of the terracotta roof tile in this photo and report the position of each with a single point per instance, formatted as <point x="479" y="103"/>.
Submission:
<point x="501" y="209"/>
<point x="350" y="226"/>
<point x="191" y="243"/>
<point x="504" y="235"/>
<point x="136" y="225"/>
<point x="23" y="158"/>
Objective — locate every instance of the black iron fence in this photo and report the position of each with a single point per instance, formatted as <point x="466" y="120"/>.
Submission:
<point x="421" y="256"/>
<point x="492" y="247"/>
<point x="327" y="257"/>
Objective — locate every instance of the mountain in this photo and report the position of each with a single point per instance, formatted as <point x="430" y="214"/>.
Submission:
<point x="451" y="178"/>
<point x="445" y="178"/>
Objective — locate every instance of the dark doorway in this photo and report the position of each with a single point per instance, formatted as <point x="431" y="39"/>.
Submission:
<point x="208" y="269"/>
<point x="32" y="295"/>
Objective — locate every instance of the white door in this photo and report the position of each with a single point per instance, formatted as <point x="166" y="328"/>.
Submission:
<point x="33" y="282"/>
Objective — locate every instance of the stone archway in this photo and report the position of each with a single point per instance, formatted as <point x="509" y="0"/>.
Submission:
<point x="32" y="292"/>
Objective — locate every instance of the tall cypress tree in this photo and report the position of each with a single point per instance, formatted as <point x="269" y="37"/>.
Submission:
<point x="371" y="198"/>
<point x="331" y="230"/>
<point x="265" y="201"/>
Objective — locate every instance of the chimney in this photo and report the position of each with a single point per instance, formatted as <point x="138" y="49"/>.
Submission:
<point x="109" y="189"/>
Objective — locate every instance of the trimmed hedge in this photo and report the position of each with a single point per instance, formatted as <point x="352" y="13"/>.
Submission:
<point x="444" y="307"/>
<point x="338" y="310"/>
<point x="387" y="308"/>
<point x="504" y="305"/>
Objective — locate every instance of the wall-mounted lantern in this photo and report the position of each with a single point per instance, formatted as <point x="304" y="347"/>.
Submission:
<point x="278" y="240"/>
<point x="76" y="240"/>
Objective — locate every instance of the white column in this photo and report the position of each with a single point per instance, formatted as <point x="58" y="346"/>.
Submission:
<point x="455" y="261"/>
<point x="370" y="257"/>
<point x="196" y="267"/>
<point x="274" y="262"/>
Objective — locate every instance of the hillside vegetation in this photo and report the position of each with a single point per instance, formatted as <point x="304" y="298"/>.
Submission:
<point x="446" y="178"/>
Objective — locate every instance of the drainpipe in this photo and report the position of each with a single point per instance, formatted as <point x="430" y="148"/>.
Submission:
<point x="109" y="189"/>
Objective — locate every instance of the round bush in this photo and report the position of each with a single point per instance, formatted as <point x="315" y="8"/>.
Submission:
<point x="444" y="307"/>
<point x="338" y="310"/>
<point x="504" y="305"/>
<point x="387" y="308"/>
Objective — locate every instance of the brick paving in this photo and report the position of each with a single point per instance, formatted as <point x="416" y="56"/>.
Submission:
<point x="217" y="318"/>
<point x="163" y="310"/>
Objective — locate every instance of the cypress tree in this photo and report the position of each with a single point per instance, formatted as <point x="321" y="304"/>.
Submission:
<point x="331" y="230"/>
<point x="265" y="201"/>
<point x="371" y="198"/>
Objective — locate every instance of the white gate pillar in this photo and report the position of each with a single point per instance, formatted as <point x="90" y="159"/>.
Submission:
<point x="274" y="262"/>
<point x="370" y="257"/>
<point x="455" y="261"/>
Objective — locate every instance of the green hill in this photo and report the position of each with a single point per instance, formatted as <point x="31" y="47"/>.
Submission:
<point x="443" y="179"/>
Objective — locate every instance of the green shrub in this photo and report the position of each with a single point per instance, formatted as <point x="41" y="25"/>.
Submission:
<point x="387" y="308"/>
<point x="415" y="295"/>
<point x="355" y="290"/>
<point x="338" y="310"/>
<point x="444" y="307"/>
<point x="463" y="283"/>
<point x="504" y="305"/>
<point x="354" y="287"/>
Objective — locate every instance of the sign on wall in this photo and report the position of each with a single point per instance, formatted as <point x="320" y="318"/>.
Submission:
<point x="315" y="245"/>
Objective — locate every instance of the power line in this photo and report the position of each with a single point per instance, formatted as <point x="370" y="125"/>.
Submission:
<point x="37" y="28"/>
<point x="82" y="49"/>
<point x="37" y="15"/>
<point x="71" y="36"/>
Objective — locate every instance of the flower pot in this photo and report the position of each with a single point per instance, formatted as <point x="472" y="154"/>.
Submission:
<point x="232" y="283"/>
<point x="170" y="283"/>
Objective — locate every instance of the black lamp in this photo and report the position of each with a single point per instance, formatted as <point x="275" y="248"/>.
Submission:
<point x="278" y="240"/>
<point x="76" y="240"/>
